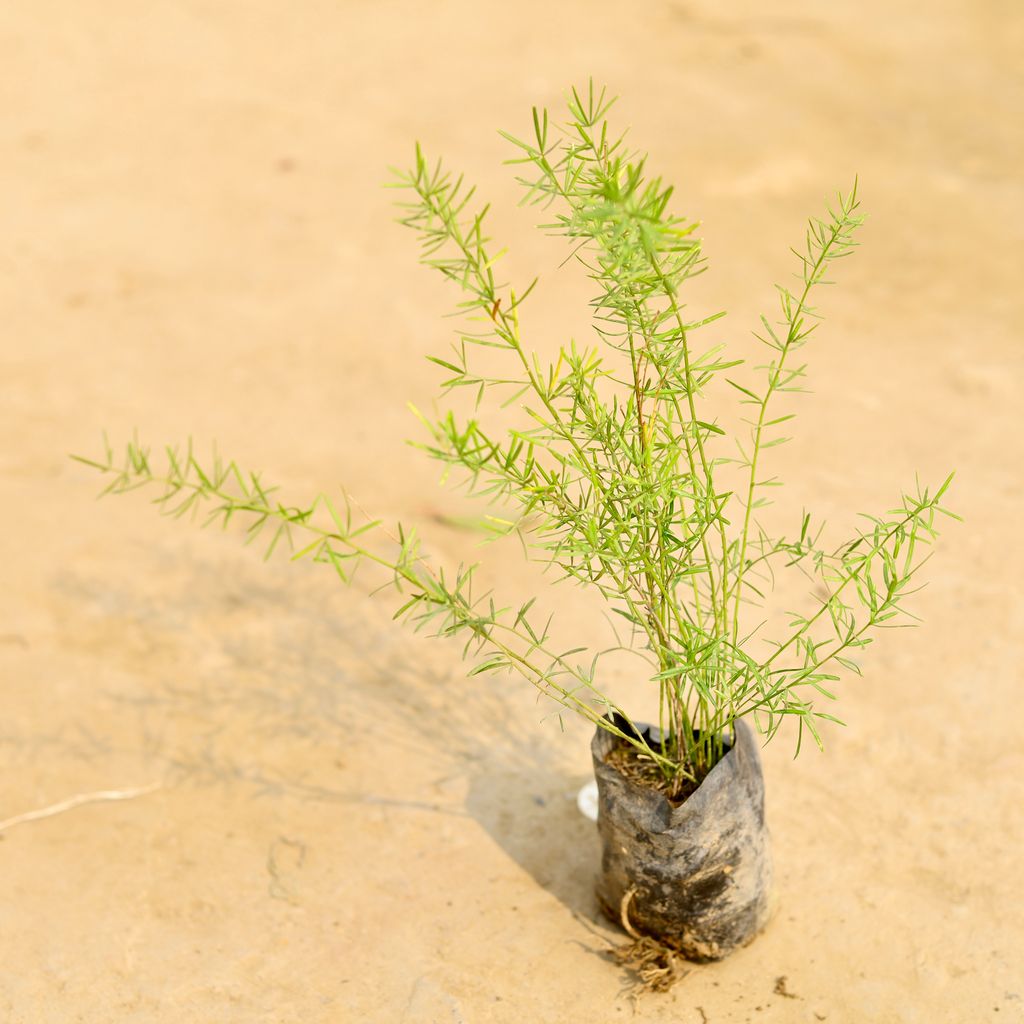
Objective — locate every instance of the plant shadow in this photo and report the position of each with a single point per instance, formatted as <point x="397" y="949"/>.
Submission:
<point x="296" y="670"/>
<point x="536" y="822"/>
<point x="519" y="787"/>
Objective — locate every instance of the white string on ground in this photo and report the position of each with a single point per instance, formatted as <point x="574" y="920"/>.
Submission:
<point x="76" y="801"/>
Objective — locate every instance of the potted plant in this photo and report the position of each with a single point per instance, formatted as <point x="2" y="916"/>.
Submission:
<point x="624" y="479"/>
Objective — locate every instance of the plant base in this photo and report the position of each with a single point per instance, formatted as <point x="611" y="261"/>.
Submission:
<point x="696" y="877"/>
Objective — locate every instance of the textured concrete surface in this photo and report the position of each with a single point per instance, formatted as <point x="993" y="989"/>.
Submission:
<point x="194" y="241"/>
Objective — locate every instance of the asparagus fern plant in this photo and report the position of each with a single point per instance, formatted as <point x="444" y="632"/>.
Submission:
<point x="623" y="479"/>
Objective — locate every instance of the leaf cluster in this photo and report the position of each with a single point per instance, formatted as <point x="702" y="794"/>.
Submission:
<point x="618" y="468"/>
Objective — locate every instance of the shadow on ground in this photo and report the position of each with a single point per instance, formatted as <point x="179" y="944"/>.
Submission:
<point x="248" y="675"/>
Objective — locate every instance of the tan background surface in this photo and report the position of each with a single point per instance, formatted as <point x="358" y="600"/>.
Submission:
<point x="194" y="241"/>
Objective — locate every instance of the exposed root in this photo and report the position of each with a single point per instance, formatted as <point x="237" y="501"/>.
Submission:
<point x="627" y="898"/>
<point x="657" y="967"/>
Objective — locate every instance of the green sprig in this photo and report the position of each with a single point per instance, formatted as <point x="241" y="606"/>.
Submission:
<point x="616" y="465"/>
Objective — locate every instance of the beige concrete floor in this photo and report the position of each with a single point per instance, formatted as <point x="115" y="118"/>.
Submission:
<point x="194" y="241"/>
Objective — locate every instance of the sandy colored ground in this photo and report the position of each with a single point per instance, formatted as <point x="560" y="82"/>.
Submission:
<point x="346" y="829"/>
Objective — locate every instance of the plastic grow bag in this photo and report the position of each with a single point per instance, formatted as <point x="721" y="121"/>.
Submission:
<point x="697" y="876"/>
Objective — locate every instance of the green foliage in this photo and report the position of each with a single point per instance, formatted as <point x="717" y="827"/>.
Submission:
<point x="620" y="479"/>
